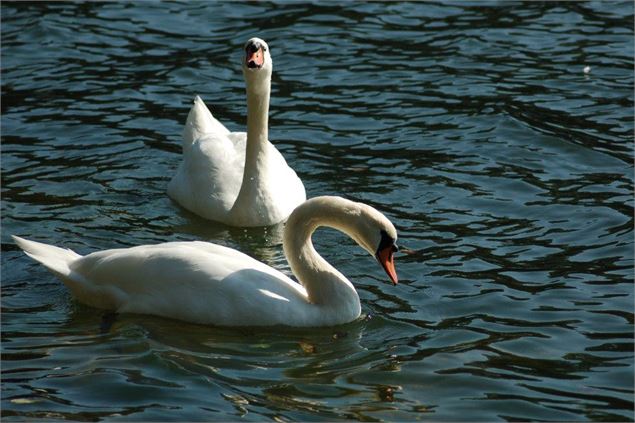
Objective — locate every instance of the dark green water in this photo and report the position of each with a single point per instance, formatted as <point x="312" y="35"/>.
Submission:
<point x="506" y="168"/>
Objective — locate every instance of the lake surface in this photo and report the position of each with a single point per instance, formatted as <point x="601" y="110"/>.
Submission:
<point x="506" y="167"/>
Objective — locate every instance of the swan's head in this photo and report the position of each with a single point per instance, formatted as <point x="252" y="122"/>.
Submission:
<point x="257" y="57"/>
<point x="368" y="227"/>
<point x="377" y="235"/>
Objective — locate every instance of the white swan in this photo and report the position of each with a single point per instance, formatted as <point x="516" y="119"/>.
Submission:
<point x="210" y="284"/>
<point x="236" y="178"/>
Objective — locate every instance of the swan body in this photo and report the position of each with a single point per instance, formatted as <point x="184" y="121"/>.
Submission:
<point x="206" y="283"/>
<point x="237" y="178"/>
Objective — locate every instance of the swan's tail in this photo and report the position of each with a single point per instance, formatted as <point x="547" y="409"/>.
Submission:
<point x="199" y="122"/>
<point x="56" y="259"/>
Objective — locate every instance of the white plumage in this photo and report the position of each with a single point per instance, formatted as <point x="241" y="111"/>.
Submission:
<point x="207" y="283"/>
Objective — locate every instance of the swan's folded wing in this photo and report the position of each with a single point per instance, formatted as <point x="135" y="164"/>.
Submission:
<point x="192" y="281"/>
<point x="208" y="179"/>
<point x="200" y="121"/>
<point x="284" y="178"/>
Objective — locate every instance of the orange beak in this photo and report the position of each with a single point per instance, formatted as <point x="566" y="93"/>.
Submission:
<point x="385" y="258"/>
<point x="254" y="59"/>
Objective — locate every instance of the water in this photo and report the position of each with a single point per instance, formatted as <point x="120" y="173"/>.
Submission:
<point x="506" y="168"/>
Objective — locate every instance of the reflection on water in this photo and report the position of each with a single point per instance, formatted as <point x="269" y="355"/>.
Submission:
<point x="507" y="169"/>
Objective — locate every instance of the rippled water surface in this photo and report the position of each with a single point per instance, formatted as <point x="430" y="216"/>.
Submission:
<point x="507" y="169"/>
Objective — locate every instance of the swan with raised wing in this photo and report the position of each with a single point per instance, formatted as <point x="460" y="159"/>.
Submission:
<point x="237" y="178"/>
<point x="207" y="283"/>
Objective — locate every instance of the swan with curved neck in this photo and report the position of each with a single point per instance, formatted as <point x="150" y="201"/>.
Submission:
<point x="210" y="284"/>
<point x="237" y="178"/>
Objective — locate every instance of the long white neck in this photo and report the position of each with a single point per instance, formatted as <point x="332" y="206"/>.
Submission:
<point x="258" y="92"/>
<point x="325" y="286"/>
<point x="256" y="154"/>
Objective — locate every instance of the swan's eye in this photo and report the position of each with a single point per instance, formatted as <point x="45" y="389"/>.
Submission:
<point x="252" y="48"/>
<point x="386" y="242"/>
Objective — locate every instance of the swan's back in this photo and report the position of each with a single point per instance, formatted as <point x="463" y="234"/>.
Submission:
<point x="193" y="281"/>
